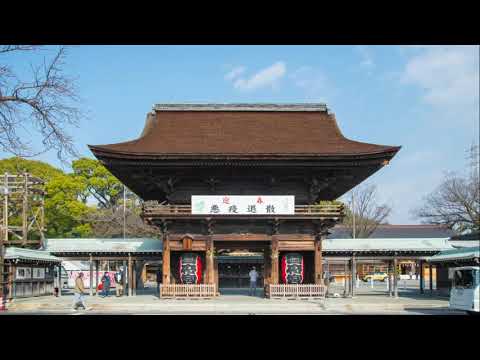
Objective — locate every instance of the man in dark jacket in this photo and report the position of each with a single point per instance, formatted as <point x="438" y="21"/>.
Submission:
<point x="106" y="284"/>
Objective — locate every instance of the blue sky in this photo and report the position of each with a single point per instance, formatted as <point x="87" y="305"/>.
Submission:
<point x="425" y="98"/>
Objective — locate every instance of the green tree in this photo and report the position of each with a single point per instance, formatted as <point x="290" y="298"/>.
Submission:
<point x="98" y="183"/>
<point x="65" y="213"/>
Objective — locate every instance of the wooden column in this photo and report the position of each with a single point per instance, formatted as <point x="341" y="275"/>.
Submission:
<point x="422" y="280"/>
<point x="395" y="276"/>
<point x="318" y="260"/>
<point x="346" y="286"/>
<point x="209" y="268"/>
<point x="134" y="278"/>
<point x="11" y="280"/>
<point x="354" y="274"/>
<point x="166" y="260"/>
<point x="129" y="275"/>
<point x="96" y="275"/>
<point x="267" y="262"/>
<point x="91" y="275"/>
<point x="274" y="261"/>
<point x="59" y="276"/>
<point x="430" y="278"/>
<point x="390" y="290"/>
<point x="215" y="274"/>
<point x="124" y="278"/>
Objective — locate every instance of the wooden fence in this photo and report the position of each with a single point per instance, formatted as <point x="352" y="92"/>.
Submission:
<point x="188" y="290"/>
<point x="279" y="291"/>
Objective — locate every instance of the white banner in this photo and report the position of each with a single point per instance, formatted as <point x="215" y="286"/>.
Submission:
<point x="243" y="204"/>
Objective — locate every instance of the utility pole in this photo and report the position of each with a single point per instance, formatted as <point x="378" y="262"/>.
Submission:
<point x="124" y="211"/>
<point x="353" y="212"/>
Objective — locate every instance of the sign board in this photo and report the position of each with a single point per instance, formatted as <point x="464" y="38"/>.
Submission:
<point x="243" y="204"/>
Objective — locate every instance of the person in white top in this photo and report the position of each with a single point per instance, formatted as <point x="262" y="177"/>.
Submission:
<point x="253" y="281"/>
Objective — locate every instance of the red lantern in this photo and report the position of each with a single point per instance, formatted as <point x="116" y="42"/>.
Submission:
<point x="190" y="268"/>
<point x="292" y="268"/>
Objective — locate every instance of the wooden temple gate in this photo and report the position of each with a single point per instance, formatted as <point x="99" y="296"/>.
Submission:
<point x="272" y="245"/>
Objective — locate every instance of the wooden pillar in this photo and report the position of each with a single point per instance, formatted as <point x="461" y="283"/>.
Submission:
<point x="166" y="260"/>
<point x="430" y="278"/>
<point x="91" y="275"/>
<point x="96" y="275"/>
<point x="390" y="290"/>
<point x="59" y="277"/>
<point x="267" y="262"/>
<point x="354" y="274"/>
<point x="215" y="273"/>
<point x="422" y="280"/>
<point x="209" y="255"/>
<point x="11" y="280"/>
<point x="318" y="260"/>
<point x="129" y="275"/>
<point x="395" y="276"/>
<point x="134" y="278"/>
<point x="346" y="286"/>
<point x="274" y="261"/>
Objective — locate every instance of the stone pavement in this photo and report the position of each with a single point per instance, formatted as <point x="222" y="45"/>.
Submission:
<point x="234" y="303"/>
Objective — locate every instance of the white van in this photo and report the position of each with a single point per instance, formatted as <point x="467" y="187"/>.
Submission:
<point x="465" y="291"/>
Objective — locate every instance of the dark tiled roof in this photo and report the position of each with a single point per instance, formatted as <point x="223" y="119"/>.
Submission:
<point x="240" y="133"/>
<point x="398" y="231"/>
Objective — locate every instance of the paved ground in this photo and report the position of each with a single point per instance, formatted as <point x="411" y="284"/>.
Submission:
<point x="235" y="301"/>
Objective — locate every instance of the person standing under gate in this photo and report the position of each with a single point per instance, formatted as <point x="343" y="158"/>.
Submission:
<point x="79" y="292"/>
<point x="106" y="284"/>
<point x="253" y="281"/>
<point x="119" y="283"/>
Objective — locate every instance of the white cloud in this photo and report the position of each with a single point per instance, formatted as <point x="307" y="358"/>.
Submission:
<point x="367" y="58"/>
<point x="313" y="82"/>
<point x="264" y="78"/>
<point x="235" y="72"/>
<point x="449" y="75"/>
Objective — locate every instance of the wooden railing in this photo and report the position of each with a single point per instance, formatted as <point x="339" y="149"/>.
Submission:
<point x="278" y="291"/>
<point x="188" y="290"/>
<point x="152" y="209"/>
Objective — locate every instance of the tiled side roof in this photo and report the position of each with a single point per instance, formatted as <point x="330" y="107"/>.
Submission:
<point x="398" y="231"/>
<point x="313" y="133"/>
<point x="388" y="244"/>
<point x="457" y="254"/>
<point x="103" y="245"/>
<point x="28" y="254"/>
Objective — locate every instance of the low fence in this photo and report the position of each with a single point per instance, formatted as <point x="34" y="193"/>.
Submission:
<point x="188" y="290"/>
<point x="296" y="290"/>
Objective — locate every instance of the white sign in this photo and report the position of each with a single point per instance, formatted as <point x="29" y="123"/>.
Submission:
<point x="243" y="205"/>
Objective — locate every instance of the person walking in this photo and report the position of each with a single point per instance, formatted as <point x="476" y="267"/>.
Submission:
<point x="106" y="284"/>
<point x="119" y="283"/>
<point x="79" y="292"/>
<point x="253" y="274"/>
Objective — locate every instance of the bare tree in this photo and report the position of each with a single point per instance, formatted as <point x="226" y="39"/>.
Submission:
<point x="456" y="201"/>
<point x="108" y="222"/>
<point x="368" y="213"/>
<point x="46" y="103"/>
